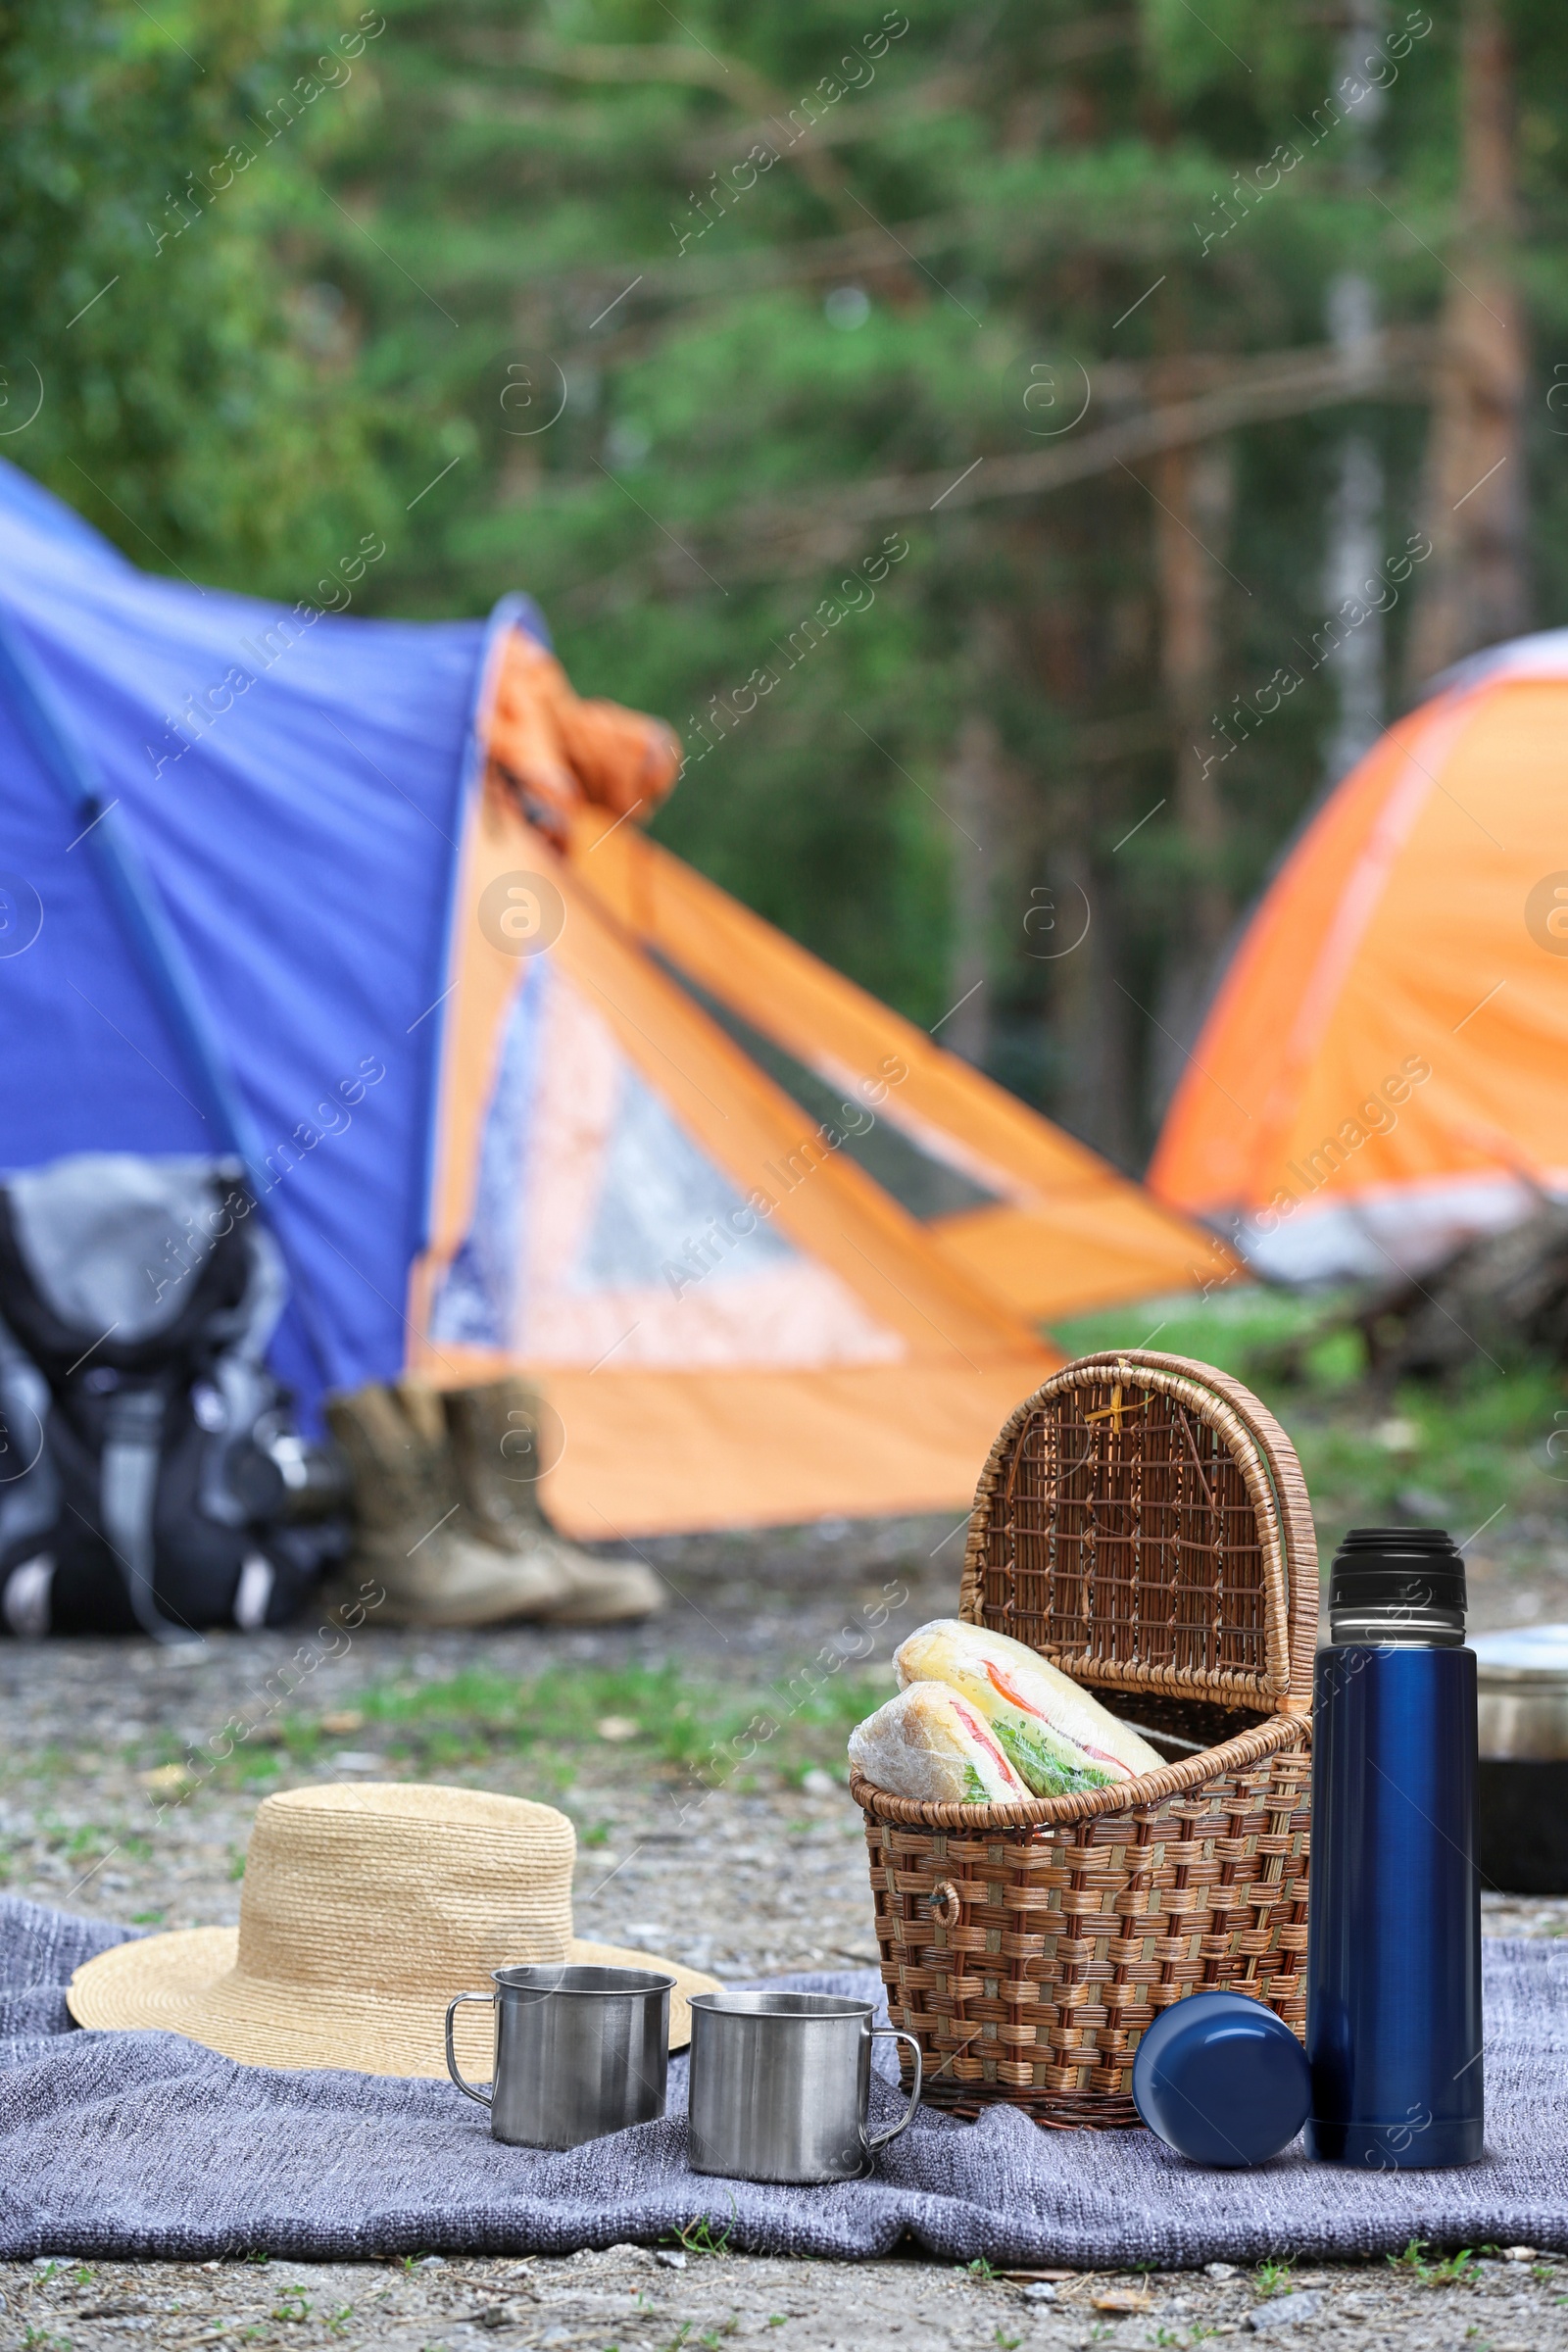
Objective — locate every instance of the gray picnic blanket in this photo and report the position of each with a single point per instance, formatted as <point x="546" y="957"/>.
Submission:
<point x="147" y="2145"/>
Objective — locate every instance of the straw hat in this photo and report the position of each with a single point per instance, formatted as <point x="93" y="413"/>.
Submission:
<point x="364" y="1908"/>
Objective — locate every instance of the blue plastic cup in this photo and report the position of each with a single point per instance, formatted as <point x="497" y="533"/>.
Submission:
<point x="1222" y="2079"/>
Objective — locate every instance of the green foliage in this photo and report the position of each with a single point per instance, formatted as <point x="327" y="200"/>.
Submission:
<point x="565" y="297"/>
<point x="742" y="345"/>
<point x="153" y="176"/>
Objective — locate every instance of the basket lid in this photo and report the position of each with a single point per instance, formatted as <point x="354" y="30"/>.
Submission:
<point x="1142" y="1522"/>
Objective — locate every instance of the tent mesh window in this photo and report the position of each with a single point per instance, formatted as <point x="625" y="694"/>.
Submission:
<point x="1142" y="1522"/>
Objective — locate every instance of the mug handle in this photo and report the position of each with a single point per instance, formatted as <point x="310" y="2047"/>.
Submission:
<point x="895" y="2033"/>
<point x="453" y="2006"/>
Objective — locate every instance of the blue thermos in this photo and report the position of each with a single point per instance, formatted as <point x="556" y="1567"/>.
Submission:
<point x="1394" y="1941"/>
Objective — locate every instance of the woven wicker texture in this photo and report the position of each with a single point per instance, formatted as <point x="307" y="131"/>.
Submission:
<point x="1142" y="1522"/>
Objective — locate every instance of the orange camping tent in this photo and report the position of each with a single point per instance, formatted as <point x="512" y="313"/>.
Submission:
<point x="733" y="1323"/>
<point x="1381" y="1070"/>
<point x="1058" y="1231"/>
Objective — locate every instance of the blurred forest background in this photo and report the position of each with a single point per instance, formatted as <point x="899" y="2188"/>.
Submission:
<point x="1177" y="348"/>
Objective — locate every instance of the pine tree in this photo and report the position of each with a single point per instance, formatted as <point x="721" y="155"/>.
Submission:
<point x="957" y="423"/>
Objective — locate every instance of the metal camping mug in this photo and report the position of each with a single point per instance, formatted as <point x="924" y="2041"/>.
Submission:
<point x="781" y="2085"/>
<point x="579" y="2051"/>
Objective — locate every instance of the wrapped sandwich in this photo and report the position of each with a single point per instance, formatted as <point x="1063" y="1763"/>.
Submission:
<point x="931" y="1745"/>
<point x="1056" y="1737"/>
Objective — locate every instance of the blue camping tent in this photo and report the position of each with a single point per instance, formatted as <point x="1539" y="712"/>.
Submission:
<point x="260" y="884"/>
<point x="295" y="778"/>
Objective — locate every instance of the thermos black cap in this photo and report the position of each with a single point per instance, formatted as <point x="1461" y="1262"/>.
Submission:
<point x="1397" y="1572"/>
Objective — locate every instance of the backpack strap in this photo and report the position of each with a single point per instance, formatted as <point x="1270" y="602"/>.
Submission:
<point x="30" y="1485"/>
<point x="127" y="1493"/>
<point x="240" y="1376"/>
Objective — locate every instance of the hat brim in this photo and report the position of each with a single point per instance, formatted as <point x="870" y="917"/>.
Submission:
<point x="187" y="1981"/>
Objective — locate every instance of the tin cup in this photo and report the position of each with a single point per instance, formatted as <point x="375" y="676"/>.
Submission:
<point x="781" y="2085"/>
<point x="580" y="2051"/>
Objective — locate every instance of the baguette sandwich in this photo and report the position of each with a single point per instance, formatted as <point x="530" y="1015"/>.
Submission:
<point x="1058" y="1737"/>
<point x="931" y="1745"/>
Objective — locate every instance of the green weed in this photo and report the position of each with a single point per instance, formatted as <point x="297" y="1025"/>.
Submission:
<point x="696" y="2236"/>
<point x="1455" y="2270"/>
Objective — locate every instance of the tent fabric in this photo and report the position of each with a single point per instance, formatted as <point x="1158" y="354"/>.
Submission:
<point x="264" y="892"/>
<point x="292" y="780"/>
<point x="1379" y="1077"/>
<point x="734" y="1323"/>
<point x="1065" y="1232"/>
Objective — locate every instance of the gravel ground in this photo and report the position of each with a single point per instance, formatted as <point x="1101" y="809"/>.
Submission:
<point x="632" y="2299"/>
<point x="773" y="1875"/>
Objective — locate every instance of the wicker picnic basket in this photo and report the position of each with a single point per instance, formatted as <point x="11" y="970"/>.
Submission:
<point x="1142" y="1522"/>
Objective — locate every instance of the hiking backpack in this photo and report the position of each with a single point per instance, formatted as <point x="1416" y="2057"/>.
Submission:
<point x="150" y="1474"/>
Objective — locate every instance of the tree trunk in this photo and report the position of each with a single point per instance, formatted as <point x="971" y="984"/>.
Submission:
<point x="1354" y="550"/>
<point x="1090" y="1015"/>
<point x="971" y="793"/>
<point x="1472" y="586"/>
<point x="1195" y="488"/>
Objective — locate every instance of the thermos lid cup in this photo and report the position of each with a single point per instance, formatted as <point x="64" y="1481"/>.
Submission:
<point x="1222" y="2079"/>
<point x="1383" y="1565"/>
<point x="1398" y="1583"/>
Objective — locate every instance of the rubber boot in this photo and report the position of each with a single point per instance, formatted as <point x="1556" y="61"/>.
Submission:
<point x="497" y="1449"/>
<point x="406" y="1510"/>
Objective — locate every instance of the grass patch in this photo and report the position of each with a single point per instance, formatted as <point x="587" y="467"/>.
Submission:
<point x="686" y="1725"/>
<point x="1227" y="1329"/>
<point x="682" y="1725"/>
